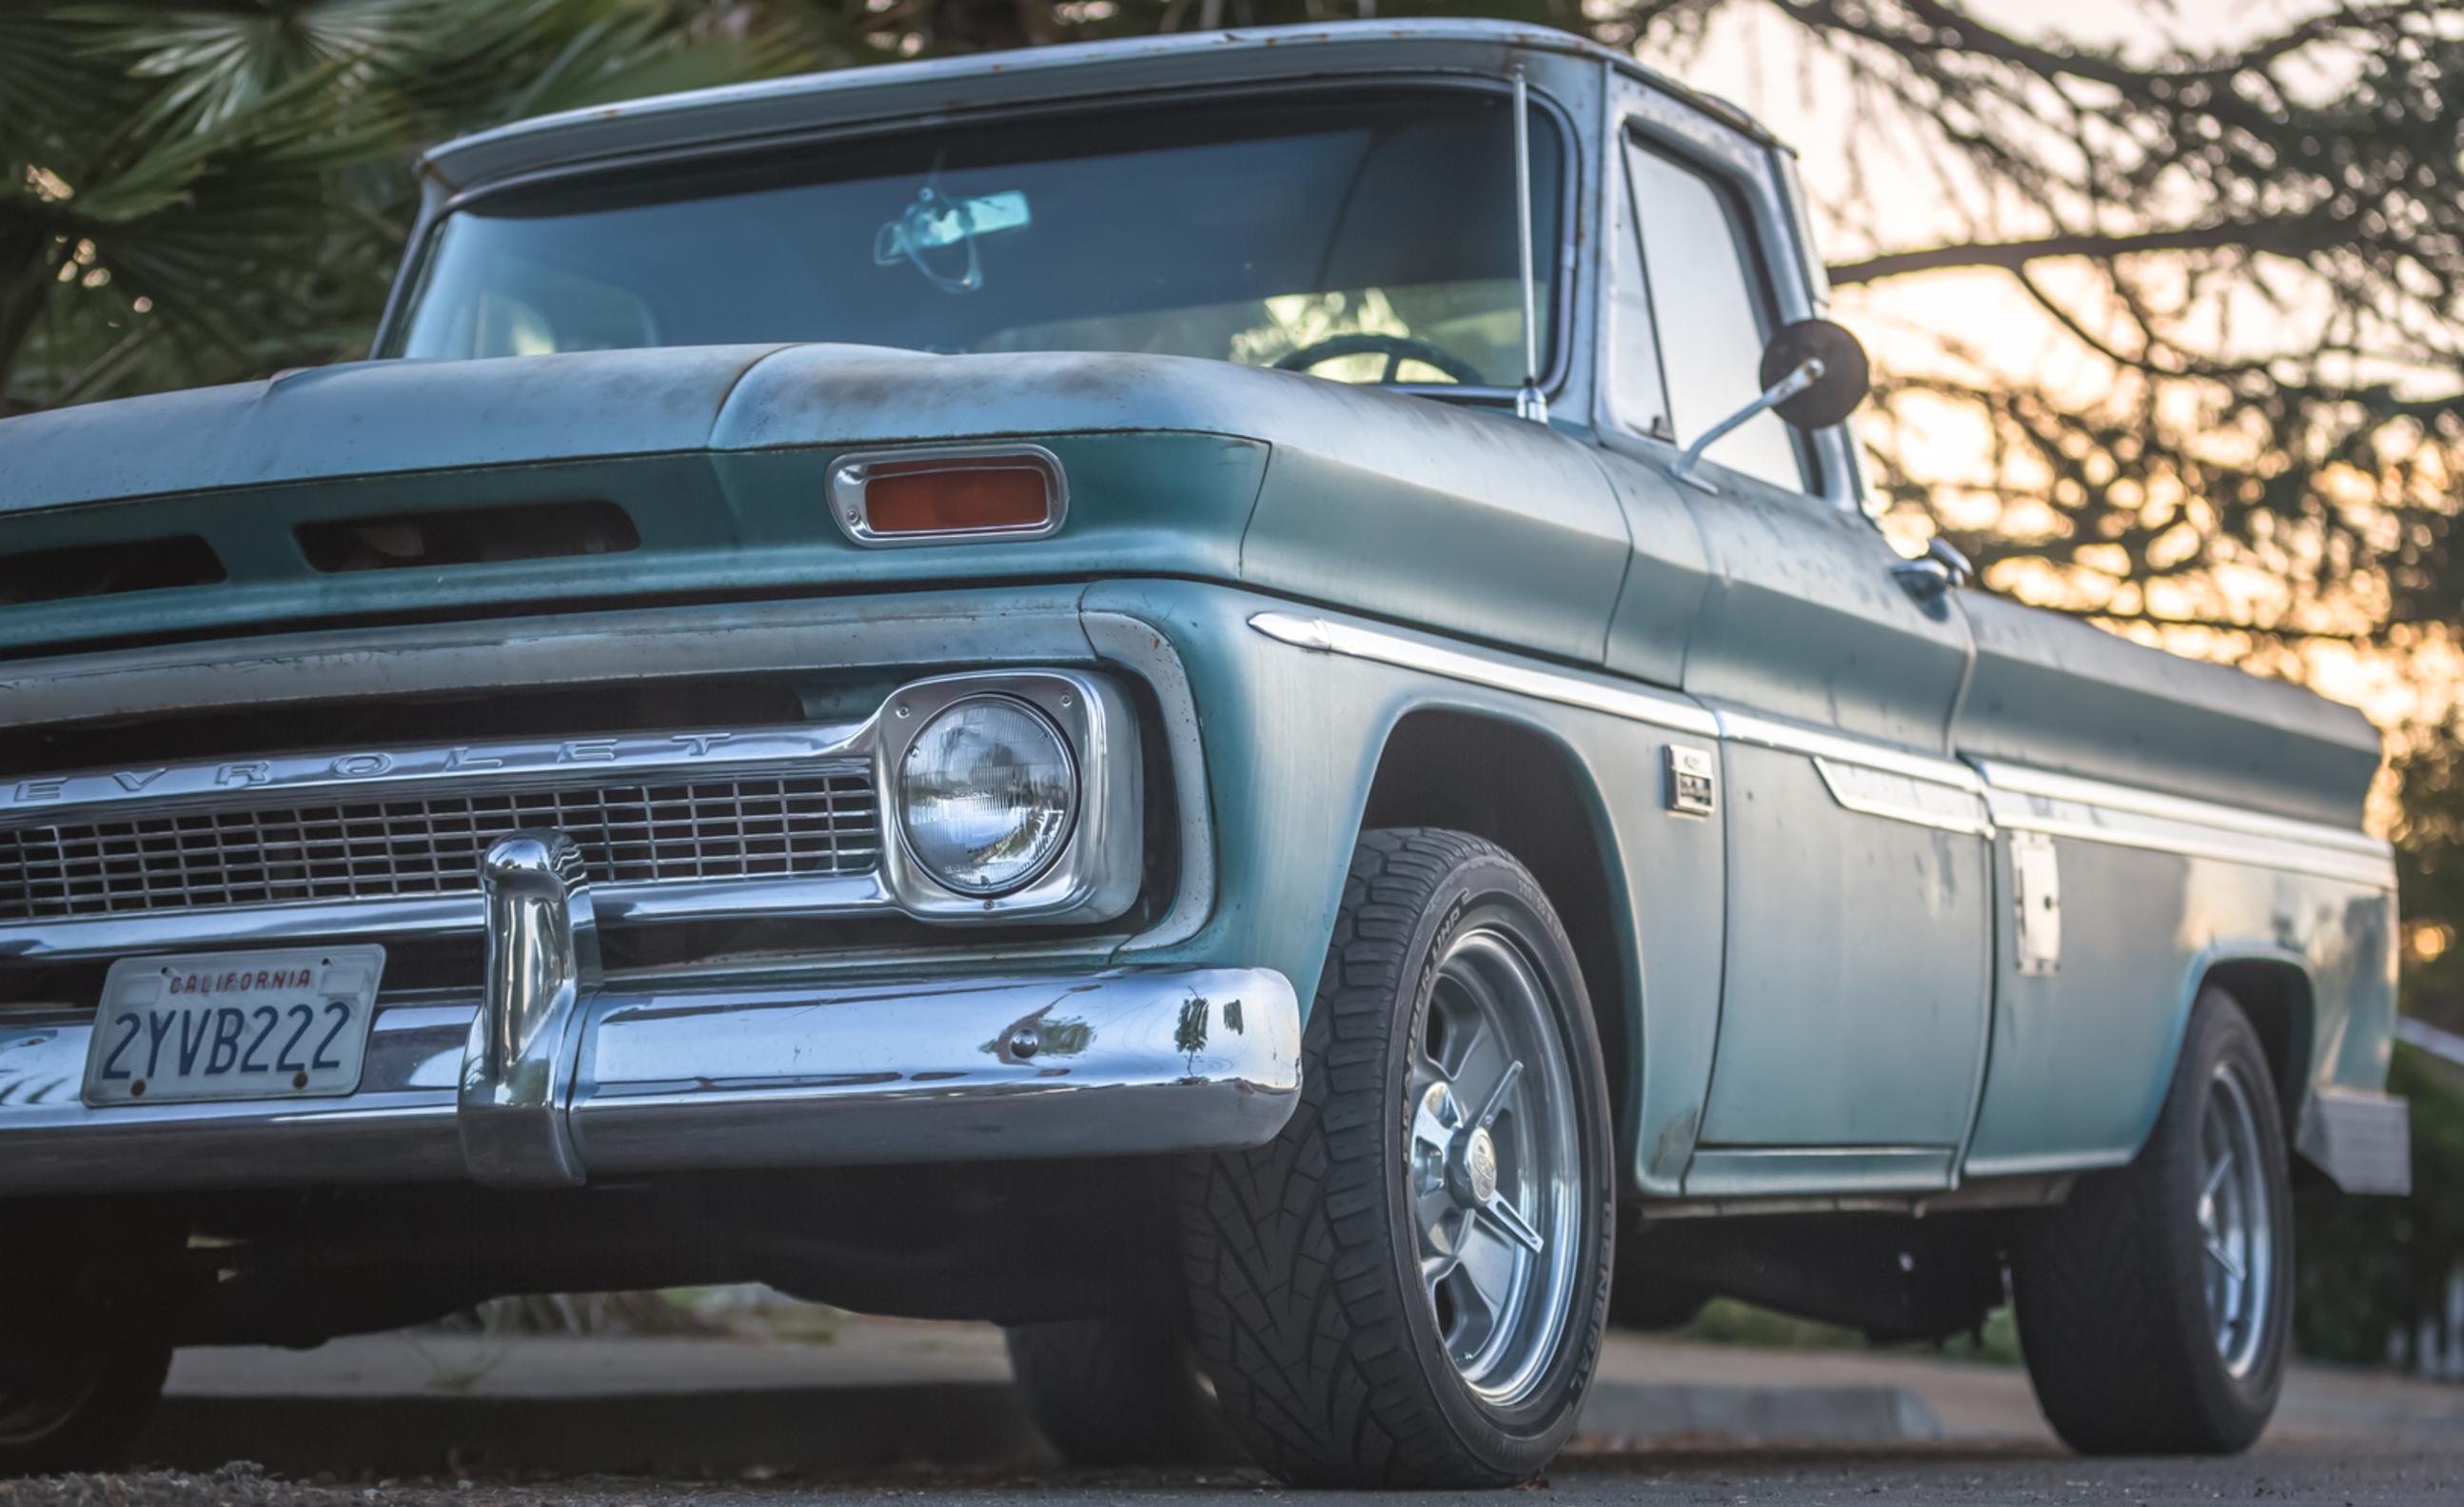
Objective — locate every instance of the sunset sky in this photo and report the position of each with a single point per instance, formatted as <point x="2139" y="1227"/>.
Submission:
<point x="1893" y="191"/>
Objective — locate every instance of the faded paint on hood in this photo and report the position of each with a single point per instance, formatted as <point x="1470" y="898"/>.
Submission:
<point x="1394" y="504"/>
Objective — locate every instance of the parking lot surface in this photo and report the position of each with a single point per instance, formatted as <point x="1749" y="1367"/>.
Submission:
<point x="1955" y="1473"/>
<point x="887" y="1410"/>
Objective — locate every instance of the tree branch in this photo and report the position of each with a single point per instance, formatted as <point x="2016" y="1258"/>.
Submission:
<point x="2269" y="234"/>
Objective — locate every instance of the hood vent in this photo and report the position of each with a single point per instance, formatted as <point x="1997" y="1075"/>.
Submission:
<point x="152" y="564"/>
<point x="467" y="536"/>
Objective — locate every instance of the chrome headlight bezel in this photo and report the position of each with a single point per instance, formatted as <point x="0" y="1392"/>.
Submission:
<point x="1097" y="872"/>
<point x="1050" y="844"/>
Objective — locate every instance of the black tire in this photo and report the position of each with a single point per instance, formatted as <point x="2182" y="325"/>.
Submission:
<point x="84" y="1339"/>
<point x="1306" y="1301"/>
<point x="78" y="1408"/>
<point x="2110" y="1287"/>
<point x="1114" y="1391"/>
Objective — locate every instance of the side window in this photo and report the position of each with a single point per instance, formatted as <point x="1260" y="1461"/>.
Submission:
<point x="1711" y="310"/>
<point x="1638" y="394"/>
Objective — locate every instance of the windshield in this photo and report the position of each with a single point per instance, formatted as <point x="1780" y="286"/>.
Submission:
<point x="1368" y="238"/>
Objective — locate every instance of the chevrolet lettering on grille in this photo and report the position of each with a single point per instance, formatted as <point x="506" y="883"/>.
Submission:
<point x="223" y="776"/>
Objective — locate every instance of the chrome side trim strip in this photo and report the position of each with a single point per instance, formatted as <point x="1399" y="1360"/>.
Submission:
<point x="2117" y="828"/>
<point x="2020" y="780"/>
<point x="2124" y="816"/>
<point x="1871" y="791"/>
<point x="2011" y="797"/>
<point x="1660" y="710"/>
<point x="1745" y="728"/>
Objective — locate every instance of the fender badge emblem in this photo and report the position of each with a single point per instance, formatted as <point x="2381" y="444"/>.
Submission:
<point x="1693" y="784"/>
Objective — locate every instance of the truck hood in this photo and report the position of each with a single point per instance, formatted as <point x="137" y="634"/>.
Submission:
<point x="186" y="514"/>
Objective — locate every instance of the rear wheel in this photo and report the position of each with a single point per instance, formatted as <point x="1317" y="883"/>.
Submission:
<point x="2155" y="1304"/>
<point x="1408" y="1285"/>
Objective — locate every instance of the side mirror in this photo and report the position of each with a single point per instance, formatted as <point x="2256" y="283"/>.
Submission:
<point x="1830" y="397"/>
<point x="1814" y="372"/>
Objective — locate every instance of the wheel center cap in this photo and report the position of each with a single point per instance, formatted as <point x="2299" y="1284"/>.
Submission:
<point x="1480" y="1166"/>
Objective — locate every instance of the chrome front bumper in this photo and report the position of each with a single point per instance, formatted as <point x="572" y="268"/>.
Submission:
<point x="1126" y="1063"/>
<point x="553" y="1079"/>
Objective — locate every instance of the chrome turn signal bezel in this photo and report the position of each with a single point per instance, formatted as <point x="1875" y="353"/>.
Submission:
<point x="852" y="475"/>
<point x="1101" y="865"/>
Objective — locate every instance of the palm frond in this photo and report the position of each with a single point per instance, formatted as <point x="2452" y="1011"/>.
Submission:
<point x="215" y="62"/>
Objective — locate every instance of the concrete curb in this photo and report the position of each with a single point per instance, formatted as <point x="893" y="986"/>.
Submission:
<point x="702" y="1433"/>
<point x="1619" y="1415"/>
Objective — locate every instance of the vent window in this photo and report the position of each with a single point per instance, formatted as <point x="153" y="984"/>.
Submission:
<point x="467" y="536"/>
<point x="153" y="565"/>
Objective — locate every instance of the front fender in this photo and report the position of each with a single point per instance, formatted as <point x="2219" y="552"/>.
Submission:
<point x="1294" y="737"/>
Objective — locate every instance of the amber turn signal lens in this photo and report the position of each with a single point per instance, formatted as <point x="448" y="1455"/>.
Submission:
<point x="949" y="494"/>
<point x="945" y="500"/>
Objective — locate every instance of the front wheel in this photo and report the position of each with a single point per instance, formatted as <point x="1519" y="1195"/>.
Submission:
<point x="1408" y="1285"/>
<point x="2155" y="1304"/>
<point x="1112" y="1391"/>
<point x="83" y="1360"/>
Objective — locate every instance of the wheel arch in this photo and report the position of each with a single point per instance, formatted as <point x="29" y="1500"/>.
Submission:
<point x="2275" y="991"/>
<point x="2278" y="994"/>
<point x="1522" y="787"/>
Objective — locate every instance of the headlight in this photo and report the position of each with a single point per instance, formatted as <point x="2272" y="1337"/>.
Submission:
<point x="986" y="794"/>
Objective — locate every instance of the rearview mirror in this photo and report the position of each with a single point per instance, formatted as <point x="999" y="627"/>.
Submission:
<point x="1829" y="397"/>
<point x="1812" y="373"/>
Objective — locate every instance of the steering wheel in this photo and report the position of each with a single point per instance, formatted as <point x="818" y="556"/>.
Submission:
<point x="1396" y="348"/>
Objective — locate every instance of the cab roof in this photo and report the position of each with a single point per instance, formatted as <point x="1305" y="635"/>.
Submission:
<point x="938" y="86"/>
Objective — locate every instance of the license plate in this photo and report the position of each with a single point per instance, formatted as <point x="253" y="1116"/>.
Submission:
<point x="284" y="1024"/>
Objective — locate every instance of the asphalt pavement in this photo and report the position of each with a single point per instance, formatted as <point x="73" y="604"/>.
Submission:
<point x="894" y="1410"/>
<point x="1953" y="1473"/>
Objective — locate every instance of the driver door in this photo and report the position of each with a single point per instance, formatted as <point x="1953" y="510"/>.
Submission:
<point x="1855" y="996"/>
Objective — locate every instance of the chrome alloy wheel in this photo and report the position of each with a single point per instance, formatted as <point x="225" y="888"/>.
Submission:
<point x="1495" y="1166"/>
<point x="2236" y="1222"/>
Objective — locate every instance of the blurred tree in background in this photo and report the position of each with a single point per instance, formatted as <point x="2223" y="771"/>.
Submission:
<point x="2239" y="428"/>
<point x="202" y="191"/>
<point x="2214" y="399"/>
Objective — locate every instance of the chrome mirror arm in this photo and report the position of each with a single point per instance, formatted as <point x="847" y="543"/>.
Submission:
<point x="1808" y="372"/>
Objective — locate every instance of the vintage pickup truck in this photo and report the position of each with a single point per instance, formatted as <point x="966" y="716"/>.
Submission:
<point x="1228" y="699"/>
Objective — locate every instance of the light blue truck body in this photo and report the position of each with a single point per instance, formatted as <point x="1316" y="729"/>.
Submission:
<point x="1349" y="605"/>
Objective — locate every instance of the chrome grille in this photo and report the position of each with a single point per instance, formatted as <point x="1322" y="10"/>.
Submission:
<point x="735" y="829"/>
